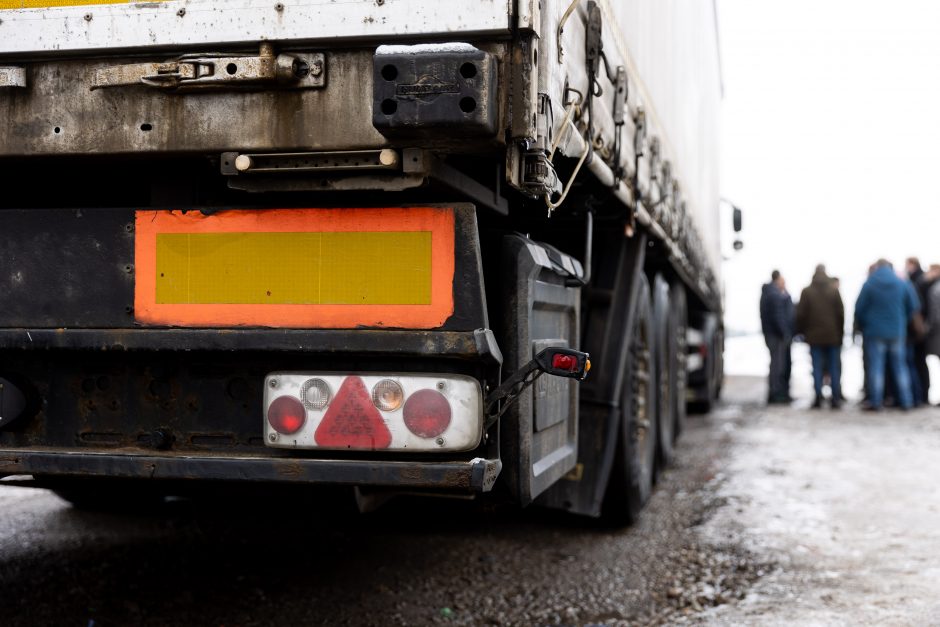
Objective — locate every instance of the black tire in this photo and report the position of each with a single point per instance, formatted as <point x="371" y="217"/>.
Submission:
<point x="631" y="478"/>
<point x="714" y="371"/>
<point x="679" y="326"/>
<point x="719" y="362"/>
<point x="666" y="365"/>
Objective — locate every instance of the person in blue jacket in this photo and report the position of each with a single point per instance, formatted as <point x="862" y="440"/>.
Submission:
<point x="883" y="309"/>
<point x="777" y="324"/>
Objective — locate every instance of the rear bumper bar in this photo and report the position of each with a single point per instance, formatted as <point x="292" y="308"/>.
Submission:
<point x="476" y="475"/>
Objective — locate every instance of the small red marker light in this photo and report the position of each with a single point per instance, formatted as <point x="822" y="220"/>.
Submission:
<point x="287" y="415"/>
<point x="427" y="413"/>
<point x="565" y="362"/>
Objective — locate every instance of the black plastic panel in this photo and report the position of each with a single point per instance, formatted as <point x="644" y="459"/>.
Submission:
<point x="421" y="93"/>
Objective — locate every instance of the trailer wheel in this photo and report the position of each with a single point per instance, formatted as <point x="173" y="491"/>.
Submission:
<point x="666" y="370"/>
<point x="678" y="327"/>
<point x="631" y="479"/>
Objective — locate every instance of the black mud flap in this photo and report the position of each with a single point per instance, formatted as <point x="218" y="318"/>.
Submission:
<point x="539" y="433"/>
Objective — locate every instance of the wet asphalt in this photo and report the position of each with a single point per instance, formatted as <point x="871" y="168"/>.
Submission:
<point x="302" y="561"/>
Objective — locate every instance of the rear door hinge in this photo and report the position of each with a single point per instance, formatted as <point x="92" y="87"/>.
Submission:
<point x="193" y="72"/>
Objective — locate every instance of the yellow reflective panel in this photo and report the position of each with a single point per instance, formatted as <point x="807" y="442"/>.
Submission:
<point x="340" y="268"/>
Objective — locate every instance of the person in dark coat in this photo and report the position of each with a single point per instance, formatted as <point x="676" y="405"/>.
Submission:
<point x="918" y="339"/>
<point x="932" y="310"/>
<point x="776" y="308"/>
<point x="883" y="310"/>
<point x="820" y="318"/>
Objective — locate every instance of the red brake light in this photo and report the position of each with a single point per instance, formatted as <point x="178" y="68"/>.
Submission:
<point x="286" y="415"/>
<point x="427" y="413"/>
<point x="352" y="421"/>
<point x="565" y="362"/>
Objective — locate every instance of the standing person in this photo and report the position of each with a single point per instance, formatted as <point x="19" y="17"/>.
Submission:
<point x="776" y="308"/>
<point x="820" y="318"/>
<point x="931" y="309"/>
<point x="883" y="309"/>
<point x="918" y="341"/>
<point x="765" y="326"/>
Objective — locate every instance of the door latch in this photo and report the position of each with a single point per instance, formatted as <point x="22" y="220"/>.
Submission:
<point x="193" y="72"/>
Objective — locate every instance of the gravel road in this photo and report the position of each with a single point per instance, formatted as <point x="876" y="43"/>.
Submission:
<point x="775" y="516"/>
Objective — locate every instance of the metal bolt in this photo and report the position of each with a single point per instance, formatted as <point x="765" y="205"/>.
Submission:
<point x="388" y="157"/>
<point x="181" y="12"/>
<point x="129" y="268"/>
<point x="88" y="17"/>
<point x="316" y="69"/>
<point x="379" y="2"/>
<point x="272" y="437"/>
<point x="279" y="7"/>
<point x="128" y="227"/>
<point x="243" y="163"/>
<point x="272" y="383"/>
<point x="441" y="385"/>
<point x="440" y="441"/>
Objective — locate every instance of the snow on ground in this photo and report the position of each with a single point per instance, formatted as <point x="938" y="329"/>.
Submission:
<point x="845" y="503"/>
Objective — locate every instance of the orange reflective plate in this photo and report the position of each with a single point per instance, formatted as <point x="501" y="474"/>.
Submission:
<point x="304" y="268"/>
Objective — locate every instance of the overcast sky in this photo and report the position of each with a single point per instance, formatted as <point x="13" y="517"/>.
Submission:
<point x="831" y="139"/>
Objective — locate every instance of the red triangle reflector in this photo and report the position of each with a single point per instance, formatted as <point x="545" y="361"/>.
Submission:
<point x="352" y="421"/>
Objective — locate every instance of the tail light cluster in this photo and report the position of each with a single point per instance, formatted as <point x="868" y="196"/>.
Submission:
<point x="373" y="412"/>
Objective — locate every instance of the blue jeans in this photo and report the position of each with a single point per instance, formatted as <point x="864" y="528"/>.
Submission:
<point x="895" y="350"/>
<point x="827" y="357"/>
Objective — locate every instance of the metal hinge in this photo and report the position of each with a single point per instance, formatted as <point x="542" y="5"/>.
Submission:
<point x="538" y="174"/>
<point x="214" y="71"/>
